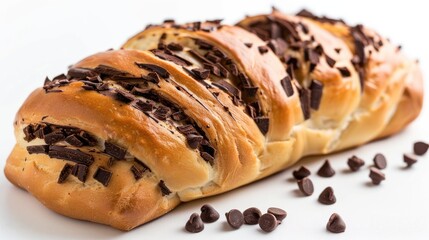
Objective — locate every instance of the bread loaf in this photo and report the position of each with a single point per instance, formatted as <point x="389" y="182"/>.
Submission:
<point x="182" y="112"/>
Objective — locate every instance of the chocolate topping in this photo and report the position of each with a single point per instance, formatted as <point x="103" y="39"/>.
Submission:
<point x="80" y="171"/>
<point x="65" y="172"/>
<point x="74" y="155"/>
<point x="36" y="149"/>
<point x="103" y="176"/>
<point x="114" y="150"/>
<point x="154" y="68"/>
<point x="164" y="189"/>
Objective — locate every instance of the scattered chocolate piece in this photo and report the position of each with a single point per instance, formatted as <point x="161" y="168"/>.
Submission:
<point x="65" y="172"/>
<point x="251" y="216"/>
<point x="331" y="62"/>
<point x="164" y="189"/>
<point x="209" y="214"/>
<point x="327" y="196"/>
<point x="263" y="124"/>
<point x="316" y="88"/>
<point x="301" y="173"/>
<point x="175" y="46"/>
<point x="194" y="224"/>
<point x="81" y="73"/>
<point x="103" y="176"/>
<point x="80" y="171"/>
<point x="74" y="140"/>
<point x="136" y="172"/>
<point x="304" y="98"/>
<point x="279" y="213"/>
<point x="355" y="163"/>
<point x="154" y="68"/>
<point x="235" y="218"/>
<point x="268" y="222"/>
<point x="326" y="170"/>
<point x="376" y="176"/>
<point x="287" y="85"/>
<point x="54" y="137"/>
<point x="306" y="186"/>
<point x="249" y="45"/>
<point x="380" y="161"/>
<point x="114" y="150"/>
<point x="344" y="71"/>
<point x="228" y="88"/>
<point x="170" y="56"/>
<point x="110" y="71"/>
<point x="420" y="148"/>
<point x="263" y="49"/>
<point x="29" y="133"/>
<point x="201" y="73"/>
<point x="36" y="149"/>
<point x="194" y="141"/>
<point x="74" y="155"/>
<point x="162" y="112"/>
<point x="124" y="96"/>
<point x="409" y="160"/>
<point x="336" y="224"/>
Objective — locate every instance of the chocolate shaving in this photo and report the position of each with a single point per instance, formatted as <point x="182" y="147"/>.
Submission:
<point x="169" y="56"/>
<point x="114" y="150"/>
<point x="263" y="124"/>
<point x="124" y="96"/>
<point x="344" y="71"/>
<point x="142" y="106"/>
<point x="103" y="176"/>
<point x="110" y="71"/>
<point x="80" y="171"/>
<point x="228" y="88"/>
<point x="81" y="73"/>
<point x="154" y="68"/>
<point x="162" y="112"/>
<point x="36" y="149"/>
<point x="73" y="155"/>
<point x="164" y="189"/>
<point x="287" y="86"/>
<point x="304" y="98"/>
<point x="316" y="88"/>
<point x="65" y="172"/>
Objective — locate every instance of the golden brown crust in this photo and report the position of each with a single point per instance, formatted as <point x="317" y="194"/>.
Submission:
<point x="392" y="98"/>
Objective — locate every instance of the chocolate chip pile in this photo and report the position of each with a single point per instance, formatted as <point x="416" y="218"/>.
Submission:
<point x="274" y="216"/>
<point x="268" y="221"/>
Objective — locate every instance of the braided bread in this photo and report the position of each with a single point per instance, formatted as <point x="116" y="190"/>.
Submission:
<point x="182" y="112"/>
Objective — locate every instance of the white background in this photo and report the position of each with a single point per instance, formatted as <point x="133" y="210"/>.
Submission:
<point x="39" y="38"/>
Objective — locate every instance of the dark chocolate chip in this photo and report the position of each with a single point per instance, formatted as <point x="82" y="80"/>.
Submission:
<point x="251" y="216"/>
<point x="110" y="71"/>
<point x="235" y="218"/>
<point x="268" y="222"/>
<point x="54" y="137"/>
<point x="114" y="150"/>
<point x="249" y="45"/>
<point x="326" y="170"/>
<point x="380" y="161"/>
<point x="420" y="148"/>
<point x="279" y="213"/>
<point x="103" y="176"/>
<point x="136" y="172"/>
<point x="335" y="224"/>
<point x="263" y="124"/>
<point x="228" y="88"/>
<point x="331" y="62"/>
<point x="355" y="163"/>
<point x="124" y="96"/>
<point x="305" y="185"/>
<point x="301" y="173"/>
<point x="376" y="176"/>
<point x="209" y="214"/>
<point x="162" y="112"/>
<point x="169" y="56"/>
<point x="409" y="160"/>
<point x="344" y="71"/>
<point x="73" y="155"/>
<point x="154" y="68"/>
<point x="194" y="141"/>
<point x="164" y="189"/>
<point x="65" y="172"/>
<point x="316" y="88"/>
<point x="194" y="224"/>
<point x="142" y="106"/>
<point x="74" y="140"/>
<point x="201" y="73"/>
<point x="187" y="129"/>
<point x="327" y="196"/>
<point x="203" y="44"/>
<point x="207" y="157"/>
<point x="80" y="171"/>
<point x="249" y="92"/>
<point x="81" y="73"/>
<point x="287" y="85"/>
<point x="263" y="49"/>
<point x="142" y="165"/>
<point x="36" y="149"/>
<point x="304" y="98"/>
<point x="175" y="46"/>
<point x="29" y="133"/>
